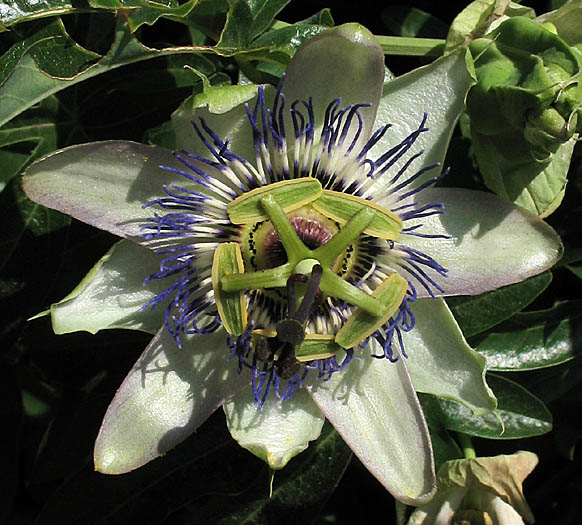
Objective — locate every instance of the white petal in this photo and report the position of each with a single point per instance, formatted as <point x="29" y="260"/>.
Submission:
<point x="440" y="510"/>
<point x="492" y="242"/>
<point x="279" y="431"/>
<point x="112" y="294"/>
<point x="104" y="184"/>
<point x="438" y="89"/>
<point x="223" y="110"/>
<point x="373" y="406"/>
<point x="502" y="513"/>
<point x="440" y="361"/>
<point x="344" y="62"/>
<point x="166" y="396"/>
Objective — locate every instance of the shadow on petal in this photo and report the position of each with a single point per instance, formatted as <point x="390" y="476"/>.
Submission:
<point x="166" y="396"/>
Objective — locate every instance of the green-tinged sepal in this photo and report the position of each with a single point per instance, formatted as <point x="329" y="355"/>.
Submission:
<point x="289" y="194"/>
<point x="342" y="207"/>
<point x="231" y="305"/>
<point x="361" y="324"/>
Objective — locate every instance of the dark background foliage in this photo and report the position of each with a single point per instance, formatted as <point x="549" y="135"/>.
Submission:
<point x="56" y="388"/>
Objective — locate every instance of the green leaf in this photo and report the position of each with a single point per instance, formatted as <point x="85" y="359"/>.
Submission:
<point x="138" y="12"/>
<point x="475" y="314"/>
<point x="511" y="170"/>
<point x="535" y="339"/>
<point x="470" y="21"/>
<point x="566" y="19"/>
<point x="444" y="447"/>
<point x="128" y="495"/>
<point x="294" y="498"/>
<point x="166" y="73"/>
<point x="556" y="382"/>
<point x="50" y="61"/>
<point x="149" y="12"/>
<point x="322" y="17"/>
<point x="26" y="139"/>
<point x="163" y="136"/>
<point x="576" y="269"/>
<point x="233" y="489"/>
<point x="519" y="413"/>
<point x="477" y="17"/>
<point x="523" y="112"/>
<point x="20" y="10"/>
<point x="281" y="44"/>
<point x="51" y="51"/>
<point x="247" y="19"/>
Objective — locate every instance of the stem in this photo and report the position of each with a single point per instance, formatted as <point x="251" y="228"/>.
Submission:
<point x="401" y="45"/>
<point x="466" y="445"/>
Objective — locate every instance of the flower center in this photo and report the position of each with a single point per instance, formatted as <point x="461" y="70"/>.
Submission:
<point x="262" y="247"/>
<point x="311" y="232"/>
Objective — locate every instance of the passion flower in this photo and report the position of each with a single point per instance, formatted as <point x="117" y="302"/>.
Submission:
<point x="255" y="231"/>
<point x="286" y="249"/>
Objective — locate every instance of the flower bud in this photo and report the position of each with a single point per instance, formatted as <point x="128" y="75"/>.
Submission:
<point x="524" y="111"/>
<point x="528" y="83"/>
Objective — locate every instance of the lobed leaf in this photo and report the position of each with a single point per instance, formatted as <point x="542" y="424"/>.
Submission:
<point x="246" y="20"/>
